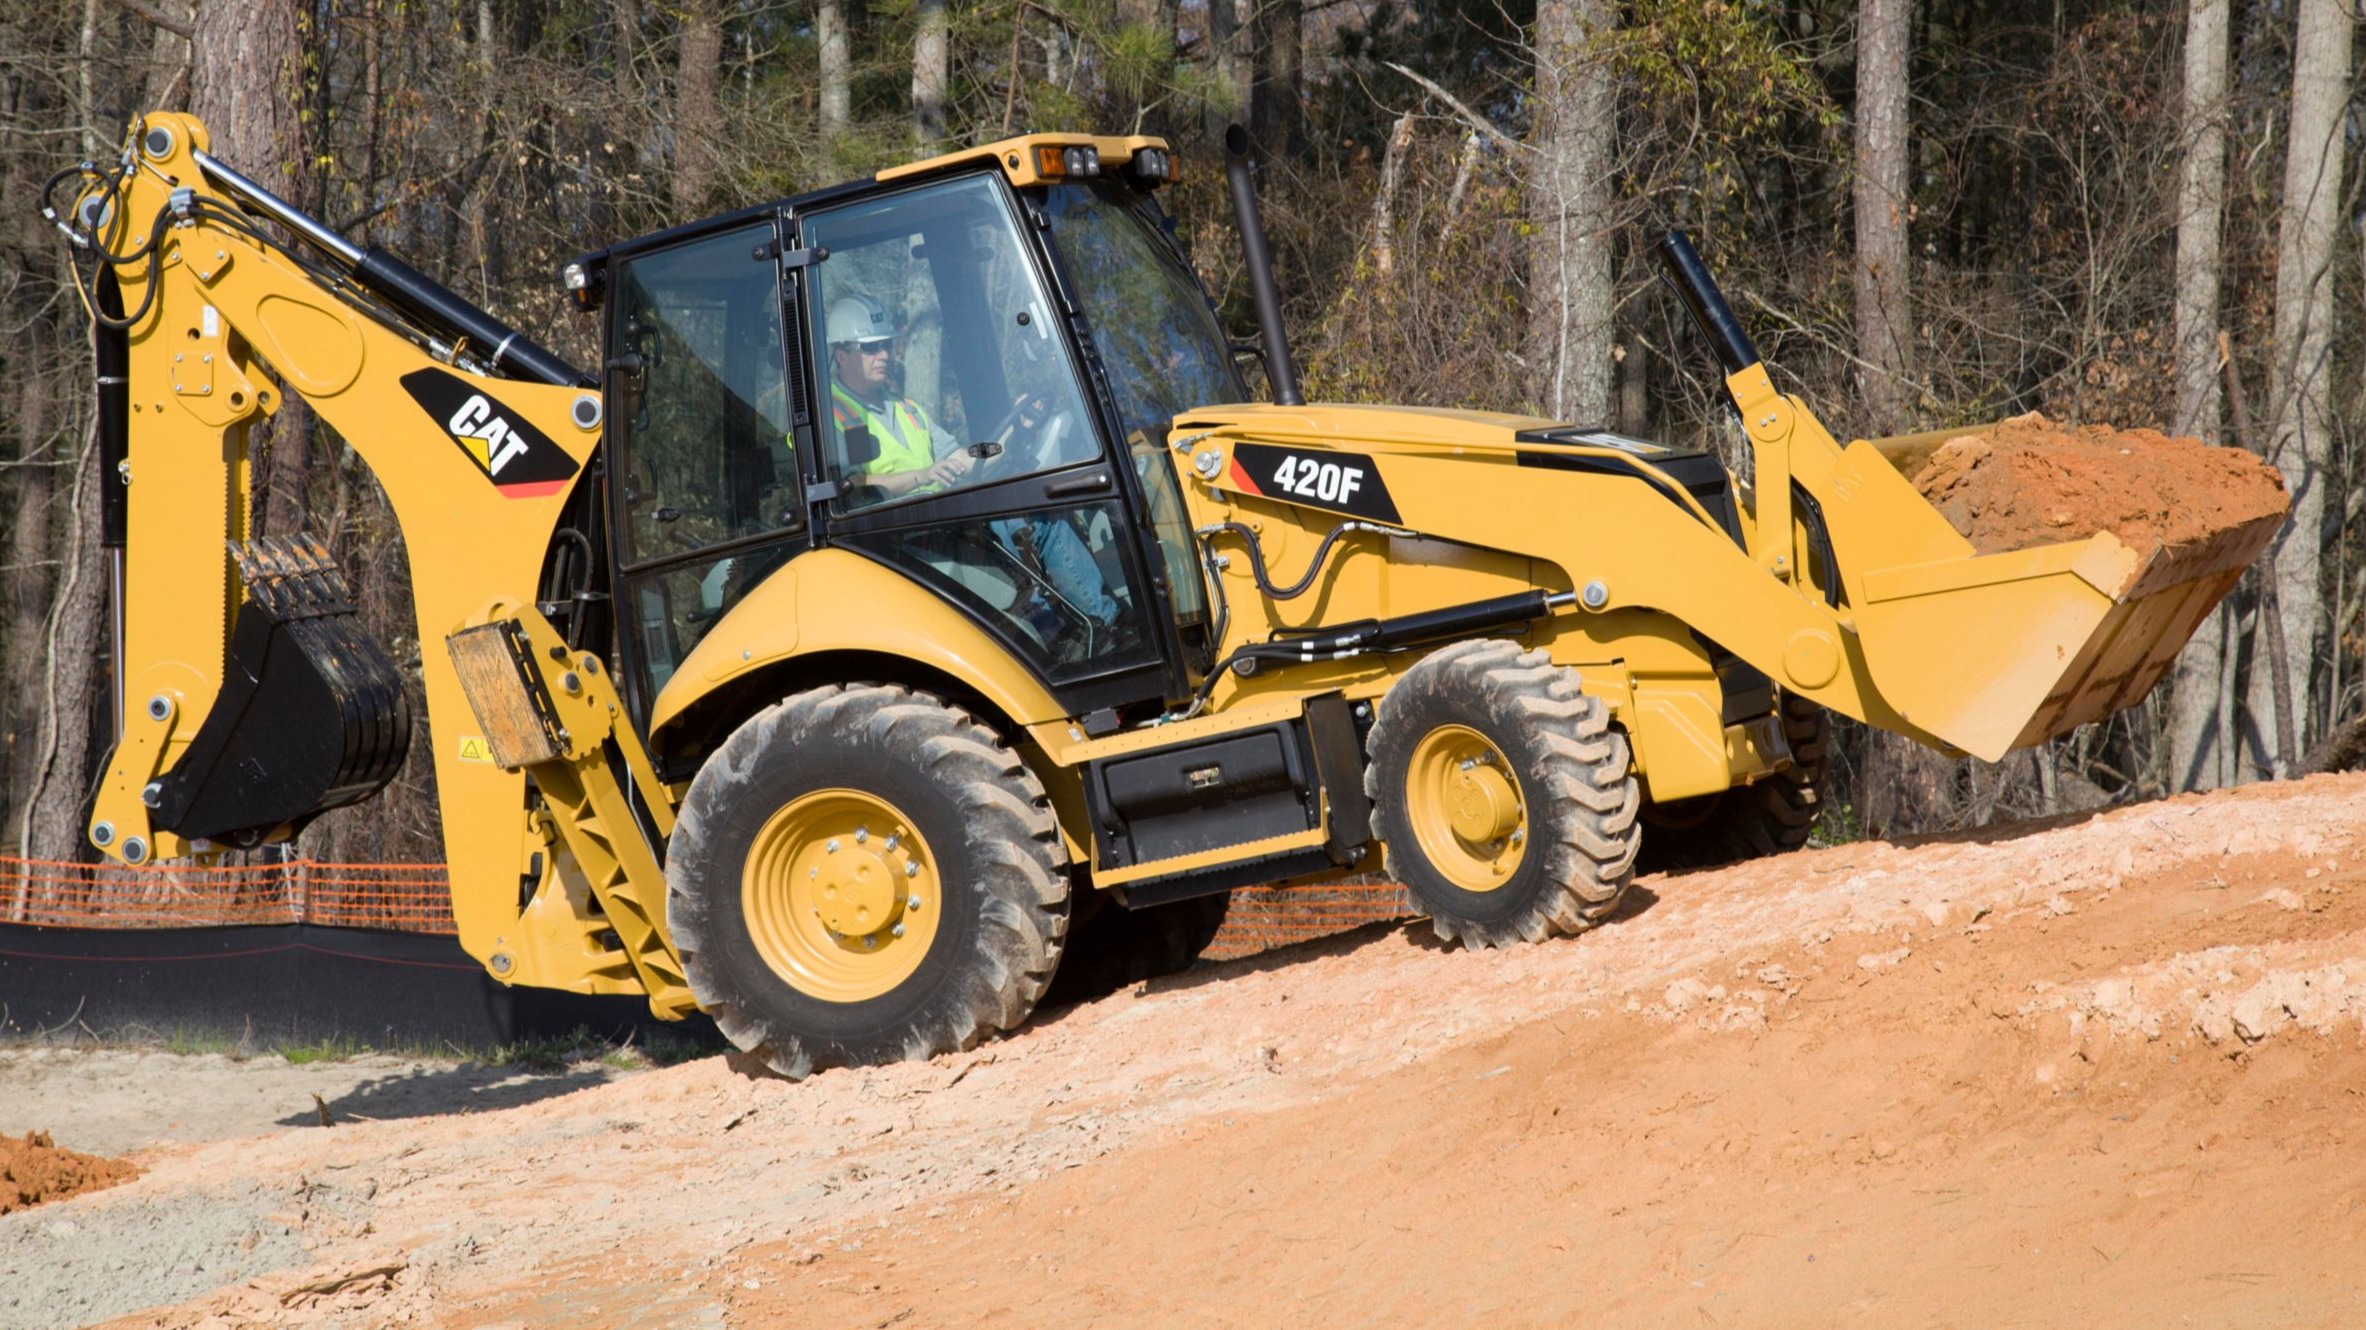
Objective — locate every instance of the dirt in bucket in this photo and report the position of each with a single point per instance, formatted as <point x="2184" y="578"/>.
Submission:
<point x="2029" y="482"/>
<point x="33" y="1169"/>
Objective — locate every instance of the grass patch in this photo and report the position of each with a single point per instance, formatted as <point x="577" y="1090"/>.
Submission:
<point x="334" y="1048"/>
<point x="584" y="1045"/>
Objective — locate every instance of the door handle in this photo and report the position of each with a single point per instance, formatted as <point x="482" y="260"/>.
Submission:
<point x="1092" y="482"/>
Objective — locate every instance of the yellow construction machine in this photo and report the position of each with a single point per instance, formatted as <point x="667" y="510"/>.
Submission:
<point x="911" y="596"/>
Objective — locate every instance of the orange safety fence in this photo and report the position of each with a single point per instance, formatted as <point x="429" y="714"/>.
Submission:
<point x="416" y="898"/>
<point x="410" y="898"/>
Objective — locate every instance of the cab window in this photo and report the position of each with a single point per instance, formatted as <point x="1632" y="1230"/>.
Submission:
<point x="704" y="413"/>
<point x="701" y="419"/>
<point x="940" y="365"/>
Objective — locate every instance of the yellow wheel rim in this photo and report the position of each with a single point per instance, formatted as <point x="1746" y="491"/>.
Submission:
<point x="1466" y="809"/>
<point x="841" y="895"/>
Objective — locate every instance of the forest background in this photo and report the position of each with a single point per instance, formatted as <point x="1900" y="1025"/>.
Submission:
<point x="1929" y="214"/>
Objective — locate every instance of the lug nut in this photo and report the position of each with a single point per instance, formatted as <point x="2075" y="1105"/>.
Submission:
<point x="832" y="847"/>
<point x="861" y="834"/>
<point x="912" y="868"/>
<point x="912" y="903"/>
<point x="898" y="930"/>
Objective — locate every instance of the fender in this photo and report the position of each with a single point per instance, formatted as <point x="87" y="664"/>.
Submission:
<point x="833" y="600"/>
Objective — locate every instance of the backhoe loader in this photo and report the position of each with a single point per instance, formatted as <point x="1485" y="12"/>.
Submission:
<point x="912" y="594"/>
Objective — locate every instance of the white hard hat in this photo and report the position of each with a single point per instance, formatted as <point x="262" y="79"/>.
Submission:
<point x="858" y="319"/>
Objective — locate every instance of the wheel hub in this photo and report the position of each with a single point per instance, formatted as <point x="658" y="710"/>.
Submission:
<point x="1465" y="808"/>
<point x="841" y="895"/>
<point x="856" y="891"/>
<point x="1481" y="803"/>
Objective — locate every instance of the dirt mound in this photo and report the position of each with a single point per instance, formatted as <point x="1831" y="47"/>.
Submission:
<point x="2082" y="1054"/>
<point x="34" y="1170"/>
<point x="2030" y="482"/>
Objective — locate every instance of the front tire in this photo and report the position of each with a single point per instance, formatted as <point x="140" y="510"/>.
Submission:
<point x="863" y="874"/>
<point x="1774" y="816"/>
<point x="1503" y="795"/>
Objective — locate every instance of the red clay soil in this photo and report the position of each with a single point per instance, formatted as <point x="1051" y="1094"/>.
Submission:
<point x="33" y="1170"/>
<point x="2030" y="482"/>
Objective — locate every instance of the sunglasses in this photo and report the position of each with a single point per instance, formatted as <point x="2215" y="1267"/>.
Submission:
<point x="868" y="348"/>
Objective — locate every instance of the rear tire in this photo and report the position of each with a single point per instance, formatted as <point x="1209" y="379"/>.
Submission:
<point x="863" y="874"/>
<point x="1503" y="795"/>
<point x="1115" y="946"/>
<point x="1774" y="816"/>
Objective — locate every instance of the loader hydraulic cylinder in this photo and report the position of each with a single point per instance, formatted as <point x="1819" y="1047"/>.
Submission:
<point x="1706" y="303"/>
<point x="435" y="307"/>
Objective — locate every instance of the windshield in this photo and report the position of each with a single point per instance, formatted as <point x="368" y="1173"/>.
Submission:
<point x="1150" y="321"/>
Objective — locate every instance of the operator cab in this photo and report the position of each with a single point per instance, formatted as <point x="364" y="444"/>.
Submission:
<point x="965" y="370"/>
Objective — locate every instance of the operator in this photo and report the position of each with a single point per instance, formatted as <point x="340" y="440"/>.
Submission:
<point x="861" y="343"/>
<point x="915" y="456"/>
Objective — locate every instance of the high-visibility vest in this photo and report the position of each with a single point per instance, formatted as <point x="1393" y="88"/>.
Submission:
<point x="901" y="429"/>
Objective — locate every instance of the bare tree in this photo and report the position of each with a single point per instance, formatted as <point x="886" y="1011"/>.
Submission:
<point x="2301" y="439"/>
<point x="1276" y="87"/>
<point x="1231" y="99"/>
<point x="834" y="54"/>
<point x="25" y="591"/>
<point x="698" y="105"/>
<point x="245" y="75"/>
<point x="1885" y="316"/>
<point x="931" y="72"/>
<point x="1570" y="325"/>
<point x="2196" y="760"/>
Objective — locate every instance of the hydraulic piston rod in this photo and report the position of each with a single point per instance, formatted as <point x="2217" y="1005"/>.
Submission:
<point x="503" y="349"/>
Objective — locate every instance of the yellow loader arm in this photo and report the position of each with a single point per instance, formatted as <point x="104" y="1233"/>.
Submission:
<point x="1839" y="582"/>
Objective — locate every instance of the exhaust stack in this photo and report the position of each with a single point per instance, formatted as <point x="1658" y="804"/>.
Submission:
<point x="1278" y="367"/>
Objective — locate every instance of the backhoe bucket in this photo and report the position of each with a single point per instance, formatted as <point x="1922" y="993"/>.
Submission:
<point x="311" y="714"/>
<point x="1989" y="653"/>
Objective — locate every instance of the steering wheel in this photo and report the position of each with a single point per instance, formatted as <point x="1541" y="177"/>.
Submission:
<point x="1027" y="450"/>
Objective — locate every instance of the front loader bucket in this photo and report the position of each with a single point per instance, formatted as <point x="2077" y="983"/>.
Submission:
<point x="1989" y="653"/>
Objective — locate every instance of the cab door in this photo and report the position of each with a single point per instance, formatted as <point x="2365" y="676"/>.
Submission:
<point x="706" y="499"/>
<point x="957" y="442"/>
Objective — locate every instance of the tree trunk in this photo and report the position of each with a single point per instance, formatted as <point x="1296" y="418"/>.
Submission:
<point x="1275" y="87"/>
<point x="2196" y="762"/>
<point x="1906" y="787"/>
<point x="1885" y="316"/>
<point x="2301" y="440"/>
<point x="70" y="644"/>
<point x="1570" y="324"/>
<point x="698" y="107"/>
<point x="1384" y="201"/>
<point x="24" y="597"/>
<point x="830" y="37"/>
<point x="932" y="73"/>
<point x="1231" y="100"/>
<point x="245" y="83"/>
